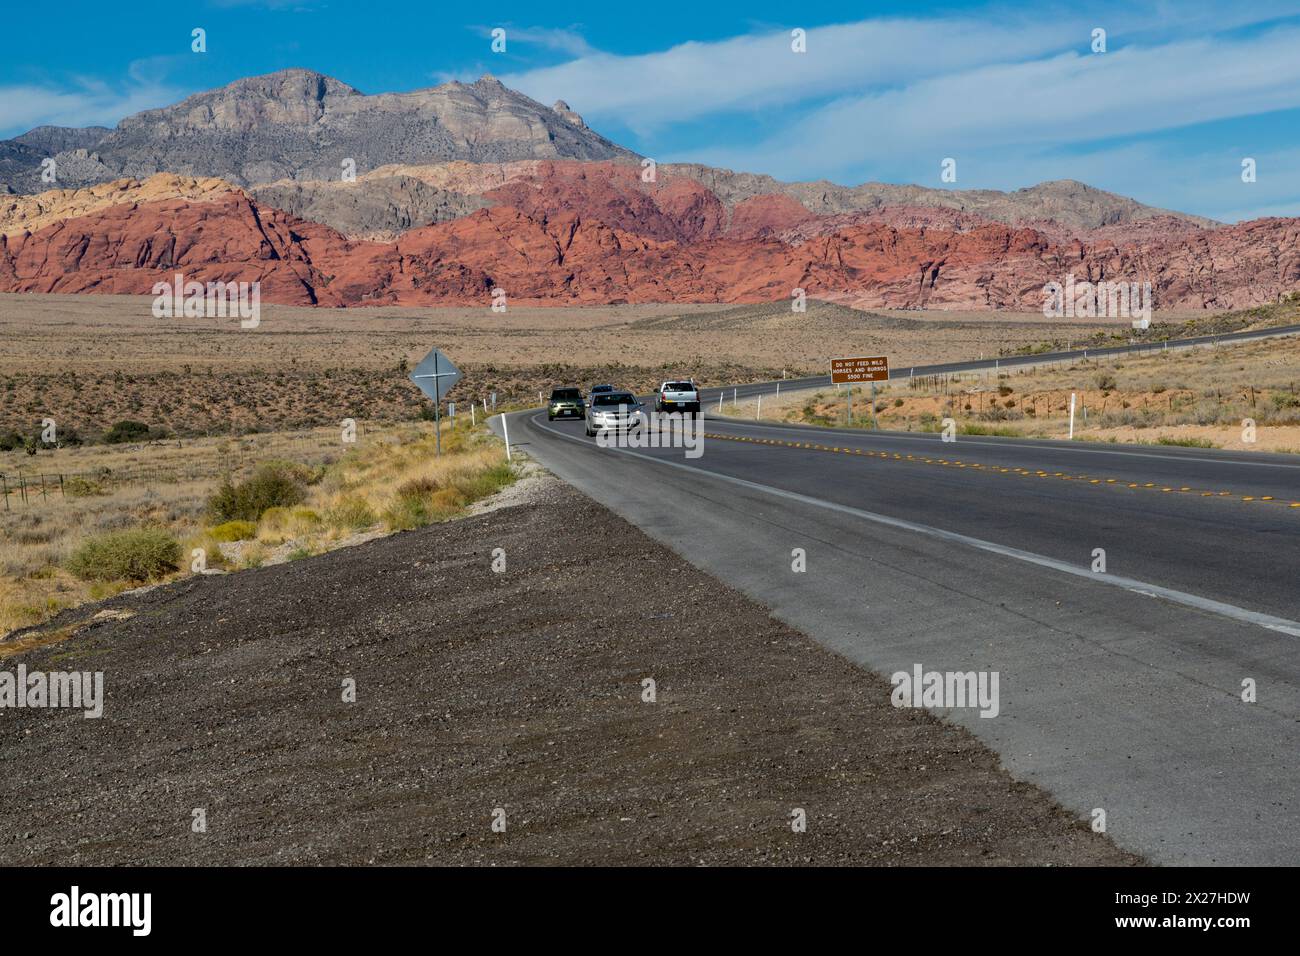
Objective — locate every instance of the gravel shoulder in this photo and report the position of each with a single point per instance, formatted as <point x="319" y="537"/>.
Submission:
<point x="477" y="690"/>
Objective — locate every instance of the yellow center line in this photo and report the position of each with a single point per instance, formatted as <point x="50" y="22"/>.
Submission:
<point x="999" y="469"/>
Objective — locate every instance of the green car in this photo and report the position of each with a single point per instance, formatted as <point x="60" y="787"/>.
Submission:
<point x="566" y="403"/>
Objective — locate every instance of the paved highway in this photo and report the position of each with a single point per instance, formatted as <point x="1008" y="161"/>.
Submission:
<point x="1120" y="691"/>
<point x="710" y="396"/>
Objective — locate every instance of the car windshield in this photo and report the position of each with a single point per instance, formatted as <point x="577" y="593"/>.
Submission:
<point x="565" y="395"/>
<point x="613" y="398"/>
<point x="601" y="388"/>
<point x="679" y="387"/>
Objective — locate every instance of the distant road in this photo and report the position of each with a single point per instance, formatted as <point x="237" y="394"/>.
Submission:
<point x="1008" y="361"/>
<point x="1121" y="690"/>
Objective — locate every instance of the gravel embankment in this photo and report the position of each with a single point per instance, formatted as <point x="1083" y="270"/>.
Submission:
<point x="477" y="690"/>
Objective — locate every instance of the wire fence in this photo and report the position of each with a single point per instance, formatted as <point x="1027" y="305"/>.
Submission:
<point x="22" y="489"/>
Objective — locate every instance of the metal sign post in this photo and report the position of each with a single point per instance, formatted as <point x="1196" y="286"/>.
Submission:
<point x="847" y="371"/>
<point x="435" y="375"/>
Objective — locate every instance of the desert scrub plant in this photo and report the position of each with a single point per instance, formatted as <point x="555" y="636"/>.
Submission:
<point x="279" y="524"/>
<point x="1186" y="442"/>
<point x="409" y="511"/>
<point x="132" y="431"/>
<point x="350" y="513"/>
<point x="213" y="556"/>
<point x="234" y="531"/>
<point x="273" y="485"/>
<point x="413" y="507"/>
<point x="79" y="486"/>
<point x="971" y="428"/>
<point x="480" y="483"/>
<point x="140" y="554"/>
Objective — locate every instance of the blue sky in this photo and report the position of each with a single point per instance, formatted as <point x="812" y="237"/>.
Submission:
<point x="1013" y="92"/>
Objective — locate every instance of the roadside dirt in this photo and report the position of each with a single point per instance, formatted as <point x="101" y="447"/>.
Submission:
<point x="478" y="690"/>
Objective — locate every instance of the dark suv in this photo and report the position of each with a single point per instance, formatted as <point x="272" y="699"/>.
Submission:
<point x="566" y="403"/>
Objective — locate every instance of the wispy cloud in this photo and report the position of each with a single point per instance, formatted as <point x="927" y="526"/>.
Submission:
<point x="1004" y="92"/>
<point x="85" y="101"/>
<point x="1066" y="98"/>
<point x="693" y="80"/>
<point x="566" y="40"/>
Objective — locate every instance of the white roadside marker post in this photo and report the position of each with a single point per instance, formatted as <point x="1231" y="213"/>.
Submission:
<point x="505" y="429"/>
<point x="473" y="421"/>
<point x="1072" y="416"/>
<point x="758" y="412"/>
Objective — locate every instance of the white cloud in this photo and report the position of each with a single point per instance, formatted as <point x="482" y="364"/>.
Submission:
<point x="84" y="101"/>
<point x="567" y="41"/>
<point x="694" y="79"/>
<point x="1019" y="111"/>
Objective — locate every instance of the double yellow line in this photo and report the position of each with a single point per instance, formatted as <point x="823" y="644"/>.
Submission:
<point x="1000" y="470"/>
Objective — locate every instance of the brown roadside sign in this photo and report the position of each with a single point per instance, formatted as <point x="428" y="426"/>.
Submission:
<point x="872" y="369"/>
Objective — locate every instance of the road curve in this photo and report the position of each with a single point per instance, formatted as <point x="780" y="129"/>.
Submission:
<point x="710" y="396"/>
<point x="1121" y="690"/>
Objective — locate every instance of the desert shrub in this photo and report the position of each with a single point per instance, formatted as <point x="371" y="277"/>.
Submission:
<point x="350" y="514"/>
<point x="304" y="518"/>
<point x="408" y="512"/>
<point x="1186" y="442"/>
<point x="128" y="431"/>
<point x="10" y="440"/>
<point x="274" y="519"/>
<point x="418" y="487"/>
<point x="79" y="486"/>
<point x="1105" y="381"/>
<point x="213" y="557"/>
<point x="971" y="428"/>
<point x="234" y="531"/>
<point x="272" y="485"/>
<point x="141" y="554"/>
<point x="480" y="484"/>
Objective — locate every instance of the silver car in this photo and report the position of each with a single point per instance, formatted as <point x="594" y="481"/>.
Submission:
<point x="616" y="411"/>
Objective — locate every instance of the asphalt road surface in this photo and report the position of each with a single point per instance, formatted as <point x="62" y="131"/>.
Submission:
<point x="1120" y="691"/>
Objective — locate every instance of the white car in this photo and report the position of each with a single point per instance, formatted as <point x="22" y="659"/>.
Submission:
<point x="615" y="411"/>
<point x="678" y="396"/>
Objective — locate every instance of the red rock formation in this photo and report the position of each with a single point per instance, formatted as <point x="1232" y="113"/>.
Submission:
<point x="613" y="241"/>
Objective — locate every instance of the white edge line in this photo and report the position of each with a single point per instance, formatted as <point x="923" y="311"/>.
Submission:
<point x="1231" y="611"/>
